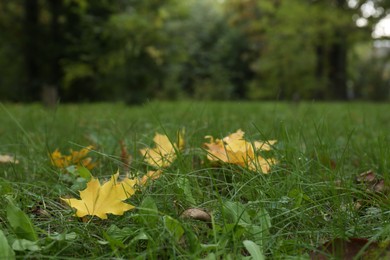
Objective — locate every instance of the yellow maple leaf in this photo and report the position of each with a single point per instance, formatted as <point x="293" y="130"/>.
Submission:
<point x="164" y="153"/>
<point x="78" y="158"/>
<point x="99" y="200"/>
<point x="261" y="163"/>
<point x="236" y="150"/>
<point x="150" y="175"/>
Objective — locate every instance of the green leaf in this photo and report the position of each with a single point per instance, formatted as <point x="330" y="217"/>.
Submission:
<point x="84" y="173"/>
<point x="185" y="185"/>
<point x="258" y="235"/>
<point x="174" y="227"/>
<point x="141" y="236"/>
<point x="261" y="231"/>
<point x="236" y="213"/>
<point x="119" y="234"/>
<point x="149" y="212"/>
<point x="20" y="222"/>
<point x="299" y="196"/>
<point x="113" y="242"/>
<point x="254" y="250"/>
<point x="79" y="171"/>
<point x="72" y="169"/>
<point x="5" y="187"/>
<point x="210" y="256"/>
<point x="192" y="242"/>
<point x="79" y="184"/>
<point x="64" y="236"/>
<point x="6" y="251"/>
<point x="25" y="245"/>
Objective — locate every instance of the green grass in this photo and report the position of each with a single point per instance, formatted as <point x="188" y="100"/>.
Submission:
<point x="309" y="197"/>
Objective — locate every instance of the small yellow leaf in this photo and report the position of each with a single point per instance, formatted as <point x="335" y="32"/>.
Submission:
<point x="150" y="175"/>
<point x="165" y="151"/>
<point x="99" y="200"/>
<point x="78" y="158"/>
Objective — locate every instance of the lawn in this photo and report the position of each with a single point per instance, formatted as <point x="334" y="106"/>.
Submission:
<point x="315" y="192"/>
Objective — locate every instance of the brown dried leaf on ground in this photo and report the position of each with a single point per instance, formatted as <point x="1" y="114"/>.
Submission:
<point x="349" y="249"/>
<point x="8" y="159"/>
<point x="126" y="158"/>
<point x="197" y="214"/>
<point x="371" y="182"/>
<point x="375" y="187"/>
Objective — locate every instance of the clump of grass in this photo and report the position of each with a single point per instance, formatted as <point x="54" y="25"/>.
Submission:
<point x="311" y="195"/>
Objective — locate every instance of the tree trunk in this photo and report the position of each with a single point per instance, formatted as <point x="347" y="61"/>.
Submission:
<point x="31" y="91"/>
<point x="54" y="55"/>
<point x="338" y="68"/>
<point x="331" y="67"/>
<point x="338" y="61"/>
<point x="320" y="71"/>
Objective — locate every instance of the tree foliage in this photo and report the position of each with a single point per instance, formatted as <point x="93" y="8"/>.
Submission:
<point x="132" y="50"/>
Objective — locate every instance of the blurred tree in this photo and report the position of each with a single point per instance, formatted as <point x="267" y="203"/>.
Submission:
<point x="56" y="42"/>
<point x="372" y="72"/>
<point x="209" y="63"/>
<point x="135" y="59"/>
<point x="281" y="47"/>
<point x="301" y="47"/>
<point x="84" y="26"/>
<point x="32" y="50"/>
<point x="206" y="48"/>
<point x="119" y="50"/>
<point x="11" y="62"/>
<point x="136" y="50"/>
<point x="334" y="46"/>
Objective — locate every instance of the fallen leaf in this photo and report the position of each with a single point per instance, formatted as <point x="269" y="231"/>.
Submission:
<point x="164" y="153"/>
<point x="8" y="159"/>
<point x="78" y="158"/>
<point x="98" y="200"/>
<point x="150" y="175"/>
<point x="197" y="214"/>
<point x="262" y="163"/>
<point x="125" y="156"/>
<point x="371" y="182"/>
<point x="366" y="177"/>
<point x="380" y="186"/>
<point x="348" y="249"/>
<point x="236" y="150"/>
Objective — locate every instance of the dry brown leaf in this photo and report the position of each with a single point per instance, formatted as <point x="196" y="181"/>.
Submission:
<point x="8" y="159"/>
<point x="371" y="182"/>
<point x="197" y="214"/>
<point x="126" y="158"/>
<point x="348" y="249"/>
